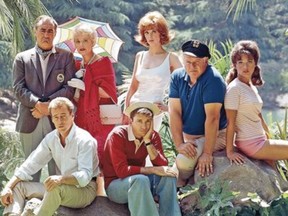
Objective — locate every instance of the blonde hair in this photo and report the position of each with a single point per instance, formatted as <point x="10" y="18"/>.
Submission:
<point x="85" y="29"/>
<point x="152" y="20"/>
<point x="60" y="102"/>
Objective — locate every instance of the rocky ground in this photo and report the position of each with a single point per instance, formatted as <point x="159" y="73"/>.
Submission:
<point x="8" y="110"/>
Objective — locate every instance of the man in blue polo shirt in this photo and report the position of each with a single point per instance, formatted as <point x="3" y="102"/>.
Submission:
<point x="197" y="116"/>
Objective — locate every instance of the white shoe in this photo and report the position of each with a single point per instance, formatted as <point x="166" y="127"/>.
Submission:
<point x="30" y="206"/>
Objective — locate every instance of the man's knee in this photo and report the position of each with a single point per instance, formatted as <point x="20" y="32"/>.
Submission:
<point x="141" y="181"/>
<point x="184" y="163"/>
<point x="169" y="181"/>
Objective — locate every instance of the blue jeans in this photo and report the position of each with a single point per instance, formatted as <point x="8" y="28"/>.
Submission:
<point x="139" y="192"/>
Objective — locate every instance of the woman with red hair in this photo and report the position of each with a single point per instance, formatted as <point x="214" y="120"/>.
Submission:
<point x="152" y="68"/>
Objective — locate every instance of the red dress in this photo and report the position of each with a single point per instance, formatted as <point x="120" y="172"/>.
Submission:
<point x="98" y="74"/>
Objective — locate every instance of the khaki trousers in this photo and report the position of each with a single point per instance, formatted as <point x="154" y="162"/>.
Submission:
<point x="65" y="195"/>
<point x="187" y="165"/>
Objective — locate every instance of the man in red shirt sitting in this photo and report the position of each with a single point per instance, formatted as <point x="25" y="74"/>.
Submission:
<point x="127" y="180"/>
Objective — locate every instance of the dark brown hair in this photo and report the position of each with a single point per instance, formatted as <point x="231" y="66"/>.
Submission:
<point x="152" y="20"/>
<point x="143" y="111"/>
<point x="250" y="48"/>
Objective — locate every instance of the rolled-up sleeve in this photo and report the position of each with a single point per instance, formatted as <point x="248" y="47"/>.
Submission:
<point x="86" y="162"/>
<point x="36" y="161"/>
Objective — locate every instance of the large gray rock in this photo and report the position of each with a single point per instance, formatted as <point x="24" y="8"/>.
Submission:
<point x="101" y="206"/>
<point x="252" y="177"/>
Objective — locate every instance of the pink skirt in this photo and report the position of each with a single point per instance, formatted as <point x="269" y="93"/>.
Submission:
<point x="250" y="147"/>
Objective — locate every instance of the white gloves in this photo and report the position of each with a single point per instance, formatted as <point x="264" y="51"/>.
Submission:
<point x="80" y="73"/>
<point x="76" y="83"/>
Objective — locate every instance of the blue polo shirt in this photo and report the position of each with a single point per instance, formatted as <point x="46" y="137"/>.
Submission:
<point x="209" y="88"/>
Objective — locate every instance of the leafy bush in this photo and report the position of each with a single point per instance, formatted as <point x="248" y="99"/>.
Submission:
<point x="11" y="155"/>
<point x="216" y="199"/>
<point x="166" y="137"/>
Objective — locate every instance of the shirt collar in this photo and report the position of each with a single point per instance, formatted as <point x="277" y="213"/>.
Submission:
<point x="70" y="135"/>
<point x="187" y="78"/>
<point x="44" y="54"/>
<point x="131" y="137"/>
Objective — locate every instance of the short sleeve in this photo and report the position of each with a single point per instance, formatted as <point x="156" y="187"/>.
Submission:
<point x="214" y="90"/>
<point x="232" y="98"/>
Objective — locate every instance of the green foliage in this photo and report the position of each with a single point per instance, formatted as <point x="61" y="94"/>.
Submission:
<point x="16" y="18"/>
<point x="279" y="131"/>
<point x="238" y="7"/>
<point x="6" y="66"/>
<point x="215" y="198"/>
<point x="11" y="154"/>
<point x="166" y="137"/>
<point x="219" y="60"/>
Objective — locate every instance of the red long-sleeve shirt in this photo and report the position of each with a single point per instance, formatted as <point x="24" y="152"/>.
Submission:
<point x="120" y="159"/>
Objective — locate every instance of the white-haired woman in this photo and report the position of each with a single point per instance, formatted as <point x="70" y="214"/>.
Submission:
<point x="96" y="85"/>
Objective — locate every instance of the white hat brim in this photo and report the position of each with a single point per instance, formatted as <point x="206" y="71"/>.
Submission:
<point x="190" y="54"/>
<point x="154" y="108"/>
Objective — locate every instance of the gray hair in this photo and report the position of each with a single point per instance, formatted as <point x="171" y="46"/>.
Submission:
<point x="44" y="18"/>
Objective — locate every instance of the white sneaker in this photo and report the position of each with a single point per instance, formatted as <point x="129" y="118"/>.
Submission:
<point x="30" y="206"/>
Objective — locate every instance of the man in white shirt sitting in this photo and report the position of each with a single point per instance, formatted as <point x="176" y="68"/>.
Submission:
<point x="74" y="151"/>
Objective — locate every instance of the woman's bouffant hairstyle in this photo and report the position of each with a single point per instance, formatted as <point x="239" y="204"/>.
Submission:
<point x="85" y="29"/>
<point x="250" y="48"/>
<point x="152" y="20"/>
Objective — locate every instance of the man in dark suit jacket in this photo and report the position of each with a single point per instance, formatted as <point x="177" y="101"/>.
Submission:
<point x="40" y="74"/>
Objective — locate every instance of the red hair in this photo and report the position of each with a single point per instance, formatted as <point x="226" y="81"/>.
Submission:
<point x="153" y="20"/>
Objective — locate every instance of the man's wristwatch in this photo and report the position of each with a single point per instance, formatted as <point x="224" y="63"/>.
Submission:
<point x="147" y="144"/>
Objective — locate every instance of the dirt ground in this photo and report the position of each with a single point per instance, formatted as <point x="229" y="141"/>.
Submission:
<point x="8" y="110"/>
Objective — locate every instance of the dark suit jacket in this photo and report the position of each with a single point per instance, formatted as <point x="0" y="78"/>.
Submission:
<point x="29" y="87"/>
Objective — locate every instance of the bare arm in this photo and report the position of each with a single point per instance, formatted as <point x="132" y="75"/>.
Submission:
<point x="230" y="132"/>
<point x="158" y="170"/>
<point x="212" y="111"/>
<point x="134" y="83"/>
<point x="231" y="118"/>
<point x="175" y="113"/>
<point x="264" y="125"/>
<point x="174" y="62"/>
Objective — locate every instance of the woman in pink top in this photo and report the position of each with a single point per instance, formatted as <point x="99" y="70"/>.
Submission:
<point x="243" y="107"/>
<point x="152" y="68"/>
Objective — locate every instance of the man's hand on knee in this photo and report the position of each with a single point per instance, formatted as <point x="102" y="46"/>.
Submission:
<point x="188" y="149"/>
<point x="52" y="181"/>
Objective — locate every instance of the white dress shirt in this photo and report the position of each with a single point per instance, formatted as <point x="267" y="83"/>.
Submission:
<point x="78" y="157"/>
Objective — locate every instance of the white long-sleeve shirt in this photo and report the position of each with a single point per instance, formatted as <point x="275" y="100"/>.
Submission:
<point x="78" y="157"/>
